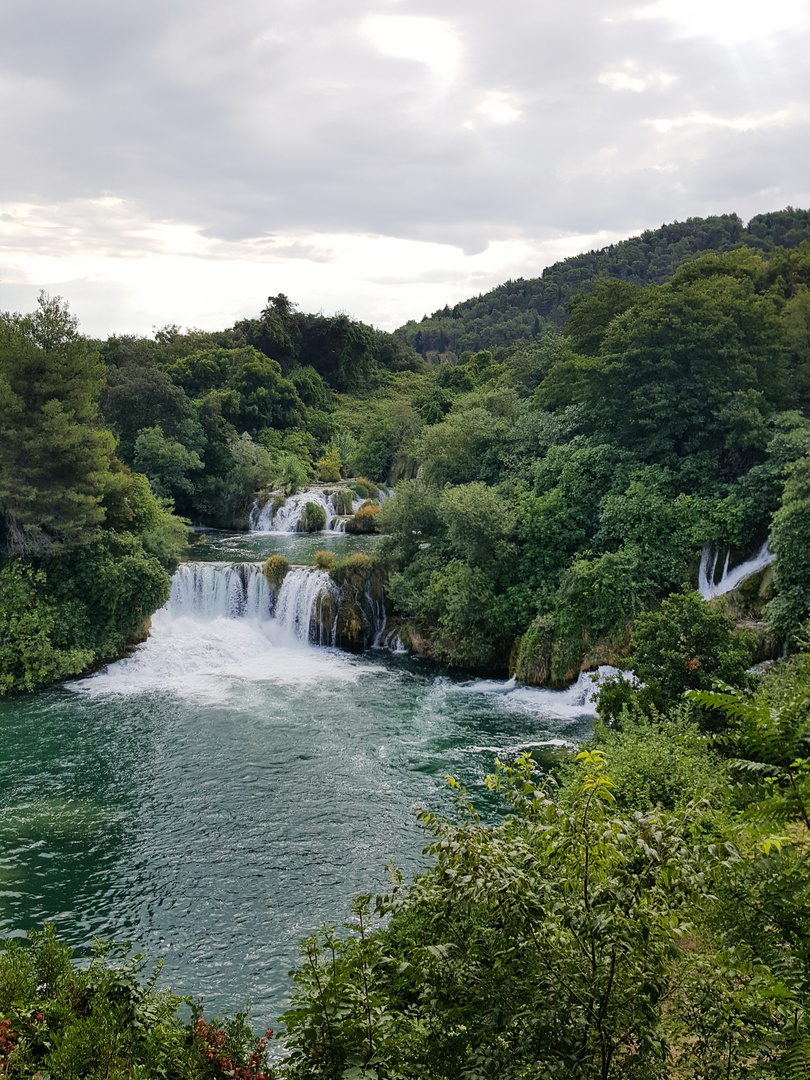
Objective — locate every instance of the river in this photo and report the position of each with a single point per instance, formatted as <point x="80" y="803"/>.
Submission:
<point x="229" y="787"/>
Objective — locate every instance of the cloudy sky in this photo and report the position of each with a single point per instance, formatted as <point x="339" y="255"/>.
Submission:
<point x="180" y="160"/>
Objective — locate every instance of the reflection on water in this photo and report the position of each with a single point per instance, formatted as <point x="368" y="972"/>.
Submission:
<point x="222" y="792"/>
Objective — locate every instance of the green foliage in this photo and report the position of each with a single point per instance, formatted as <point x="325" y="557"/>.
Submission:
<point x="637" y="749"/>
<point x="30" y="655"/>
<point x="686" y="644"/>
<point x="275" y="570"/>
<point x="313" y="518"/>
<point x="103" y="1021"/>
<point x="791" y="528"/>
<point x="54" y="457"/>
<point x="329" y="465"/>
<point x="549" y="940"/>
<point x="167" y="463"/>
<point x="770" y="731"/>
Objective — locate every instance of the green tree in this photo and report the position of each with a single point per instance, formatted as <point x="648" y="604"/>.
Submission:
<point x="54" y="456"/>
<point x="686" y="644"/>
<point x="167" y="463"/>
<point x="789" y="611"/>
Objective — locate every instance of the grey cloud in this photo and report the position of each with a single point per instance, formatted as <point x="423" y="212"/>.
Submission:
<point x="258" y="119"/>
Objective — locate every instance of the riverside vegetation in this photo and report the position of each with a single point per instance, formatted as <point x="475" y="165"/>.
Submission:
<point x="642" y="914"/>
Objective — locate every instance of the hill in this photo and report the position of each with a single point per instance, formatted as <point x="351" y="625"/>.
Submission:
<point x="517" y="310"/>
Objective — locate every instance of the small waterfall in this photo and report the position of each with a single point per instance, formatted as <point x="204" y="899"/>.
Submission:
<point x="220" y="591"/>
<point x="289" y="517"/>
<point x="710" y="585"/>
<point x="301" y="608"/>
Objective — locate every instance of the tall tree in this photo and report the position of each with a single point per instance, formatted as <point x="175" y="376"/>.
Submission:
<point x="54" y="457"/>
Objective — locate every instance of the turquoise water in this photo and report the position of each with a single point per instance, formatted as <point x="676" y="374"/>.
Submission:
<point x="215" y="546"/>
<point x="225" y="790"/>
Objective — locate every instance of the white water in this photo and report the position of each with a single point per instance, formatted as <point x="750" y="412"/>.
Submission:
<point x="729" y="578"/>
<point x="208" y="591"/>
<point x="287" y="518"/>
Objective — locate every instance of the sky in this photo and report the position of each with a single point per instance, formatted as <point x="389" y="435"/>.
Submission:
<point x="179" y="161"/>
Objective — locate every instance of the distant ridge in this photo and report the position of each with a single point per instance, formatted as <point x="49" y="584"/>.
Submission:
<point x="517" y="310"/>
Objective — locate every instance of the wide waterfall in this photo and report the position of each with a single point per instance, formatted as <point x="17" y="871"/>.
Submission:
<point x="305" y="609"/>
<point x="205" y="591"/>
<point x="710" y="585"/>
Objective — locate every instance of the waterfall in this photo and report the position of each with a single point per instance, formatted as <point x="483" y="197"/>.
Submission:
<point x="708" y="582"/>
<point x="220" y="591"/>
<point x="289" y="517"/>
<point x="300" y="608"/>
<point x="305" y="609"/>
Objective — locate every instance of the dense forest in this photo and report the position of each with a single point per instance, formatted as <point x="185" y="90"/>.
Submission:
<point x="559" y="466"/>
<point x="519" y="309"/>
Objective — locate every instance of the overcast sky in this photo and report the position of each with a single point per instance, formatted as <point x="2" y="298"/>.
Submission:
<point x="181" y="160"/>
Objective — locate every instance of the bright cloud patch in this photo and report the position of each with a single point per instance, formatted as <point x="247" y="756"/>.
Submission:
<point x="412" y="37"/>
<point x="123" y="273"/>
<point x="631" y="79"/>
<point x="731" y="22"/>
<point x="499" y="108"/>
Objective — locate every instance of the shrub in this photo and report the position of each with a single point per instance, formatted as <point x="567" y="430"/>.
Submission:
<point x="329" y="466"/>
<point x="373" y="492"/>
<point x="364" y="521"/>
<point x="325" y="560"/>
<point x="314" y="518"/>
<point x="103" y="1021"/>
<point x="275" y="570"/>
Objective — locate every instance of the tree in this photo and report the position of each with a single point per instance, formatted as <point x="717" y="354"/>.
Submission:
<point x="687" y="644"/>
<point x="54" y="456"/>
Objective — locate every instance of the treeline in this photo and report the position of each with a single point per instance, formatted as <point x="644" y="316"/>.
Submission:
<point x="517" y="310"/>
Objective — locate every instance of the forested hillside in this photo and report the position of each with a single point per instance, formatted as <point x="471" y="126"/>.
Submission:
<point x="517" y="310"/>
<point x="548" y="493"/>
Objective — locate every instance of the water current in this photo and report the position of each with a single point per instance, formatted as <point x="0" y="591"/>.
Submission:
<point x="229" y="787"/>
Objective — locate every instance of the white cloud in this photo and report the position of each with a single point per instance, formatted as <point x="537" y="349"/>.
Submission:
<point x="498" y="107"/>
<point x="414" y="37"/>
<point x="796" y="114"/>
<point x="730" y="22"/>
<point x="630" y="79"/>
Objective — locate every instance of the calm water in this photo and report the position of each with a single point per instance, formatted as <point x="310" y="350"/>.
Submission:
<point x="225" y="790"/>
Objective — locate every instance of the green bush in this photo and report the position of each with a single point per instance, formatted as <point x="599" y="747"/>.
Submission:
<point x="104" y="1022"/>
<point x="275" y="570"/>
<point x="314" y="518"/>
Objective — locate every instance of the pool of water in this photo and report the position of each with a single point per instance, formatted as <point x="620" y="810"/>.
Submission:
<point x="225" y="790"/>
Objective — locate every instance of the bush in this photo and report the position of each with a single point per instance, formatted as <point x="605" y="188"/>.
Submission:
<point x="314" y="518"/>
<point x="275" y="570"/>
<point x="329" y="466"/>
<point x="325" y="560"/>
<point x="365" y="520"/>
<point x="102" y="1022"/>
<point x="685" y="645"/>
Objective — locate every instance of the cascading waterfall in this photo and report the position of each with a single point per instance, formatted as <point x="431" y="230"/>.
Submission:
<point x="289" y="517"/>
<point x="299" y="608"/>
<point x="711" y="586"/>
<point x="220" y="591"/>
<point x="304" y="610"/>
